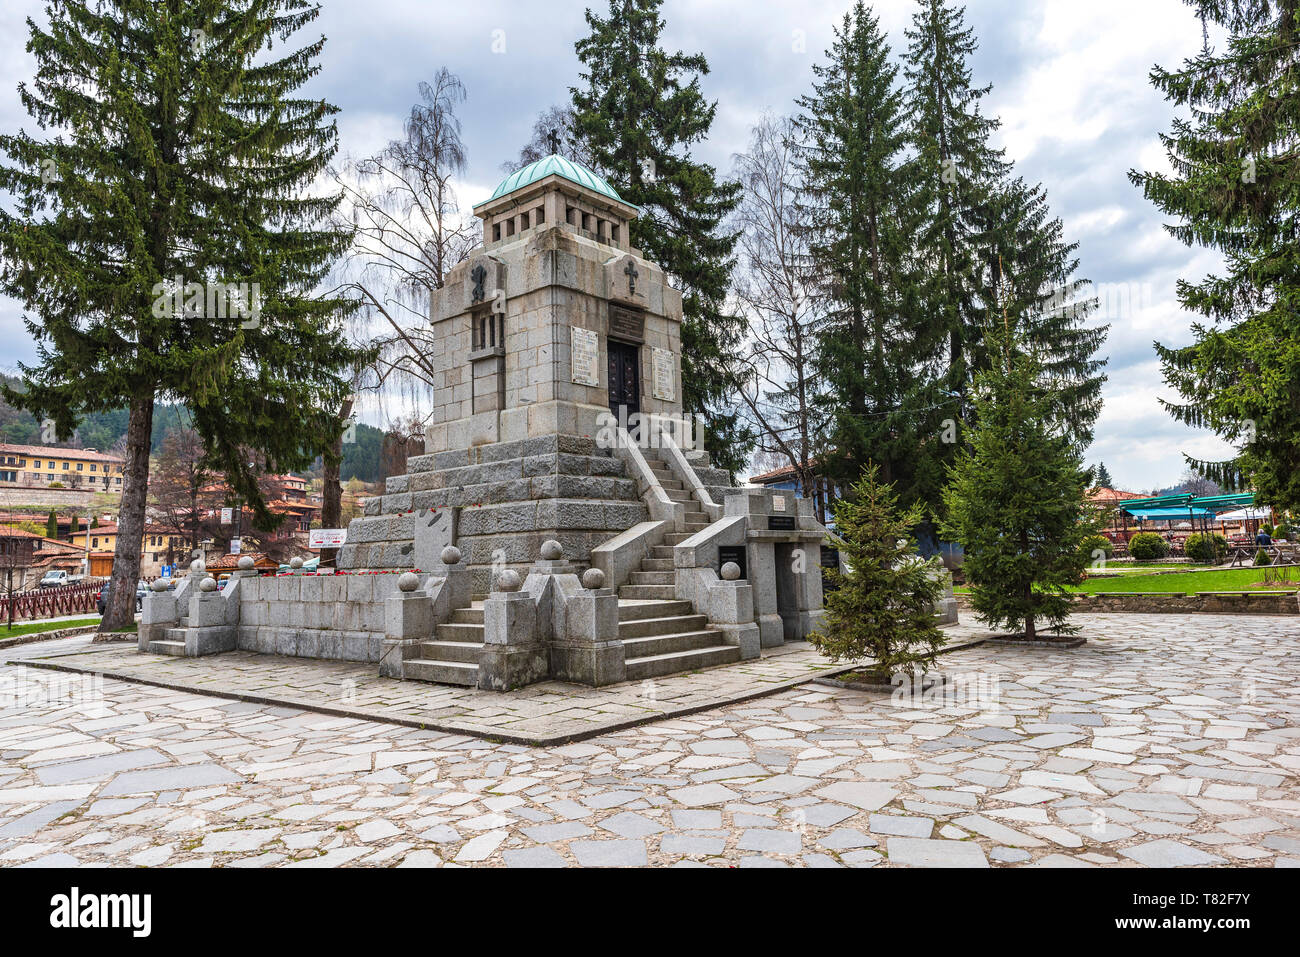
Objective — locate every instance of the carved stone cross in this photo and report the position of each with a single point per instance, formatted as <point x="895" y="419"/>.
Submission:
<point x="631" y="273"/>
<point x="553" y="138"/>
<point x="478" y="274"/>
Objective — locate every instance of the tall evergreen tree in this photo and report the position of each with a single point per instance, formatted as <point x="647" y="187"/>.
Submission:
<point x="184" y="159"/>
<point x="1101" y="478"/>
<point x="1236" y="187"/>
<point x="52" y="525"/>
<point x="637" y="115"/>
<point x="983" y="224"/>
<point x="1016" y="499"/>
<point x="863" y="209"/>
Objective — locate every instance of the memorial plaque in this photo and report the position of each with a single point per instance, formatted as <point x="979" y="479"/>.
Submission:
<point x="780" y="523"/>
<point x="626" y="324"/>
<point x="584" y="356"/>
<point x="664" y="383"/>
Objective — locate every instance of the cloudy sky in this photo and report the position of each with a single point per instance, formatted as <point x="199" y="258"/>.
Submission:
<point x="1070" y="84"/>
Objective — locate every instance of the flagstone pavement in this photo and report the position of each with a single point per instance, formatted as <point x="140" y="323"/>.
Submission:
<point x="1165" y="741"/>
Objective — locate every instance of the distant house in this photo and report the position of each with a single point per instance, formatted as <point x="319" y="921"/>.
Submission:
<point x="786" y="479"/>
<point x="42" y="466"/>
<point x="31" y="556"/>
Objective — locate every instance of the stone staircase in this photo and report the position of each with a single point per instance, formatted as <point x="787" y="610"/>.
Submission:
<point x="174" y="643"/>
<point x="662" y="635"/>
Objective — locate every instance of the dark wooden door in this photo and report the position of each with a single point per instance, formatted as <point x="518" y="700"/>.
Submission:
<point x="624" y="377"/>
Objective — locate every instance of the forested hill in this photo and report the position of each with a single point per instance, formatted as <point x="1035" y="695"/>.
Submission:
<point x="104" y="432"/>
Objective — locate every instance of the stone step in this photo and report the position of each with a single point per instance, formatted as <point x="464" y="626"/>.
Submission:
<point x="639" y="610"/>
<point x="652" y="646"/>
<point x="659" y="552"/>
<point x="675" y="538"/>
<point x="649" y="627"/>
<point x="693" y="527"/>
<point x="461" y="632"/>
<point x="656" y="666"/>
<point x="167" y="648"/>
<point x="176" y="634"/>
<point x="443" y="672"/>
<point x="679" y="495"/>
<point x="184" y="622"/>
<point x="696" y="517"/>
<point x="657" y="564"/>
<point x="468" y="616"/>
<point x="653" y="578"/>
<point x="643" y="592"/>
<point x="458" y="652"/>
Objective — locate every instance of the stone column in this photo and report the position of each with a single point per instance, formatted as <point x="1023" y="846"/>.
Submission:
<point x="408" y="620"/>
<point x="590" y="651"/>
<point x="513" y="655"/>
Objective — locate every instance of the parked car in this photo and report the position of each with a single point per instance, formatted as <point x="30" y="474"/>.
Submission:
<point x="57" y="578"/>
<point x="101" y="599"/>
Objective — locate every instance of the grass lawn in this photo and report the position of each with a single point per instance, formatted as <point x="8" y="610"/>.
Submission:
<point x="1227" y="579"/>
<point x="31" y="627"/>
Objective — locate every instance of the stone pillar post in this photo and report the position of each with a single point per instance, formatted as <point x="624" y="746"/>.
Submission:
<point x="590" y="651"/>
<point x="158" y="615"/>
<point x="731" y="611"/>
<point x="408" y="620"/>
<point x="513" y="656"/>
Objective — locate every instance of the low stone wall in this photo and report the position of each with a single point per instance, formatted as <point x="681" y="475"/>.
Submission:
<point x="1170" y="603"/>
<point x="338" y="617"/>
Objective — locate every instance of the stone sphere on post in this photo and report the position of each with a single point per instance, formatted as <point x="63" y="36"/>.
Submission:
<point x="593" y="578"/>
<point x="208" y="584"/>
<point x="552" y="551"/>
<point x="730" y="572"/>
<point x="295" y="562"/>
<point x="245" y="563"/>
<point x="196" y="566"/>
<point x="509" y="580"/>
<point x="158" y="584"/>
<point x="408" y="582"/>
<point x="451" y="555"/>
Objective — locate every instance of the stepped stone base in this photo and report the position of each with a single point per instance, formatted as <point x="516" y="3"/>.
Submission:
<point x="503" y="500"/>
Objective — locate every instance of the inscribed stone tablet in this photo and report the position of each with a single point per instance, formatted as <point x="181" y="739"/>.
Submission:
<point x="584" y="356"/>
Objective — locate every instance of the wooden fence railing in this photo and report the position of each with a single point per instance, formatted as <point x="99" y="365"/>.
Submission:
<point x="51" y="602"/>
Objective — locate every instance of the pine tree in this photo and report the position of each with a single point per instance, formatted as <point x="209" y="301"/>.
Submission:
<point x="52" y="525"/>
<point x="862" y="203"/>
<point x="983" y="224"/>
<point x="1236" y="187"/>
<point x="1016" y="499"/>
<point x="883" y="606"/>
<point x="185" y="162"/>
<point x="637" y="116"/>
<point x="1102" y="478"/>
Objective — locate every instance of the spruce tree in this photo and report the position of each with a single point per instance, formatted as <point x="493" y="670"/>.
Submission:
<point x="863" y="209"/>
<point x="185" y="158"/>
<point x="637" y="115"/>
<point x="983" y="224"/>
<point x="883" y="606"/>
<point x="1016" y="499"/>
<point x="52" y="525"/>
<point x="1102" y="478"/>
<point x="1235" y="187"/>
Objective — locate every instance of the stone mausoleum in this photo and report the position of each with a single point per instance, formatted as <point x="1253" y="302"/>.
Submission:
<point x="567" y="524"/>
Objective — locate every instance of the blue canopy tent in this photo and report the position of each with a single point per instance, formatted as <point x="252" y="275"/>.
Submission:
<point x="1169" y="514"/>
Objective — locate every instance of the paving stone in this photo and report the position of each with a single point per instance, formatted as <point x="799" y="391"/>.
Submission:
<point x="674" y="844"/>
<point x="770" y="840"/>
<point x="609" y="853"/>
<point x="929" y="852"/>
<point x="1170" y="854"/>
<point x="901" y="826"/>
<point x="631" y="825"/>
<point x="846" y="839"/>
<point x="532" y="857"/>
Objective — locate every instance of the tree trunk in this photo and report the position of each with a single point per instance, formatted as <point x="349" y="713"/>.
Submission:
<point x="331" y="514"/>
<point x="119" y="611"/>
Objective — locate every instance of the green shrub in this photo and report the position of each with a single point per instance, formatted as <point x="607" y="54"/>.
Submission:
<point x="1210" y="548"/>
<point x="1148" y="546"/>
<point x="1262" y="558"/>
<point x="1096" y="543"/>
<point x="1267" y="530"/>
<point x="1285" y="531"/>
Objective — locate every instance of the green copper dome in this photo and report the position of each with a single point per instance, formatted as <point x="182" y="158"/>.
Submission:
<point x="553" y="165"/>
